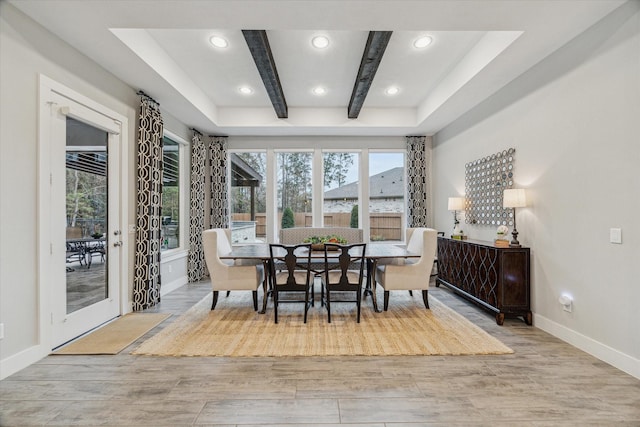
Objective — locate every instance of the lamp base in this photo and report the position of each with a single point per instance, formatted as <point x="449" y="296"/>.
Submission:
<point x="514" y="242"/>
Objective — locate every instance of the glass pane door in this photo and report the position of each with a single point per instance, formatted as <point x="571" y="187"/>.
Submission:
<point x="86" y="166"/>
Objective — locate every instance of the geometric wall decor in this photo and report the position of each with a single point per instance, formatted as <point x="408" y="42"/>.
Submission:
<point x="485" y="181"/>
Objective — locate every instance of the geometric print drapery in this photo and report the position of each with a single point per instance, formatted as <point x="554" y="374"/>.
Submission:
<point x="146" y="281"/>
<point x="418" y="182"/>
<point x="196" y="264"/>
<point x="207" y="161"/>
<point x="219" y="193"/>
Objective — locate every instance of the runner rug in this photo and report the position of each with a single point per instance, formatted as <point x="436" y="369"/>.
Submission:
<point x="407" y="328"/>
<point x="115" y="336"/>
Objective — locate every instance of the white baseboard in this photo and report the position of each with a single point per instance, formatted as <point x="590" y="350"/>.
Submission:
<point x="21" y="360"/>
<point x="173" y="285"/>
<point x="614" y="357"/>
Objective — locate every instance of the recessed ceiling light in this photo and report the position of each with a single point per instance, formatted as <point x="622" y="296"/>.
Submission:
<point x="245" y="90"/>
<point x="218" y="41"/>
<point x="319" y="90"/>
<point x="422" y="42"/>
<point x="392" y="90"/>
<point x="320" y="42"/>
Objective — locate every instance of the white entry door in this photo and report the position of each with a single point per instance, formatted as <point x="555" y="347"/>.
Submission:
<point x="84" y="218"/>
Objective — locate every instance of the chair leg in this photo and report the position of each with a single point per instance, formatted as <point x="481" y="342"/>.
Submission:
<point x="275" y="305"/>
<point x="358" y="302"/>
<point x="215" y="300"/>
<point x="255" y="300"/>
<point x="386" y="300"/>
<point x="306" y="303"/>
<point x="410" y="293"/>
<point x="328" y="303"/>
<point x="313" y="291"/>
<point x="425" y="298"/>
<point x="228" y="293"/>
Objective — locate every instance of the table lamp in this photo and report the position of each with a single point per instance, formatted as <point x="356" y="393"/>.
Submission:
<point x="456" y="204"/>
<point x="514" y="198"/>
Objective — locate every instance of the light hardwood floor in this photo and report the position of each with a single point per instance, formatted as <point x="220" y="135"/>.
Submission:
<point x="545" y="383"/>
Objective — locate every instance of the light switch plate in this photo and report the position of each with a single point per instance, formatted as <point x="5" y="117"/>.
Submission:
<point x="615" y="235"/>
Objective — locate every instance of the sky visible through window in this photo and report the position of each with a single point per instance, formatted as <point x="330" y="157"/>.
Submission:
<point x="378" y="162"/>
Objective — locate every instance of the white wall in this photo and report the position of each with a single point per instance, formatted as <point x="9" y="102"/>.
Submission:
<point x="574" y="120"/>
<point x="27" y="50"/>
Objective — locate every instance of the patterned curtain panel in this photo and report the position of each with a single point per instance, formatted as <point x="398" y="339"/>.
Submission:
<point x="417" y="185"/>
<point x="197" y="266"/>
<point x="219" y="195"/>
<point x="146" y="281"/>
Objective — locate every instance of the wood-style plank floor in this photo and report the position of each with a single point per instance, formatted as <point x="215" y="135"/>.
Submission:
<point x="545" y="383"/>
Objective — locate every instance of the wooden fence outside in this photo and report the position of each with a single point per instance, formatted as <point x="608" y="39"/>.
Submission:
<point x="384" y="226"/>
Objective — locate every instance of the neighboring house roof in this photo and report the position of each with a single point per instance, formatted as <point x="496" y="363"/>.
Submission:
<point x="387" y="184"/>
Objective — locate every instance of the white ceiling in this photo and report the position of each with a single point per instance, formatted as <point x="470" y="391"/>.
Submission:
<point x="162" y="48"/>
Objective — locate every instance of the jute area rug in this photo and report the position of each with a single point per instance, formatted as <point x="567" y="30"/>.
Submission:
<point x="234" y="329"/>
<point x="115" y="336"/>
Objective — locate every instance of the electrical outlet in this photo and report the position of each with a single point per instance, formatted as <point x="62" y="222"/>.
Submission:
<point x="567" y="303"/>
<point x="132" y="228"/>
<point x="170" y="268"/>
<point x="1" y="331"/>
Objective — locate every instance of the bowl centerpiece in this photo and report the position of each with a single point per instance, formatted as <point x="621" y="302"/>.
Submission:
<point x="317" y="242"/>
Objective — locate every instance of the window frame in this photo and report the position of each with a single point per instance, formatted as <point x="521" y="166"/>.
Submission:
<point x="364" y="146"/>
<point x="183" y="187"/>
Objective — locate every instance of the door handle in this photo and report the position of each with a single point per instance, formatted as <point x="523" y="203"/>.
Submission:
<point x="119" y="243"/>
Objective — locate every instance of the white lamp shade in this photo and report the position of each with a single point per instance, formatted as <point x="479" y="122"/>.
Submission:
<point x="514" y="198"/>
<point x="456" y="203"/>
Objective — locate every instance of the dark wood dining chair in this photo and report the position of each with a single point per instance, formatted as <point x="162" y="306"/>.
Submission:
<point x="290" y="273"/>
<point x="343" y="272"/>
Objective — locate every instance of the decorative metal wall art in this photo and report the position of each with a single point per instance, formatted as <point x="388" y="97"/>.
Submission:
<point x="485" y="181"/>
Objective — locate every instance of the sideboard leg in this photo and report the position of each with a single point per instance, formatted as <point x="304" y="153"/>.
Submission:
<point x="528" y="318"/>
<point x="500" y="319"/>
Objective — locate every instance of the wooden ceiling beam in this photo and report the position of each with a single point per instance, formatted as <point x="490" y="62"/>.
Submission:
<point x="374" y="49"/>
<point x="261" y="51"/>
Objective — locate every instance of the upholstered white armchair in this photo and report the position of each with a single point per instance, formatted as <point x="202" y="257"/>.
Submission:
<point x="414" y="273"/>
<point x="225" y="276"/>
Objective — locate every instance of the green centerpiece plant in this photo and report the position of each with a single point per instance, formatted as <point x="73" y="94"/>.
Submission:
<point x="317" y="242"/>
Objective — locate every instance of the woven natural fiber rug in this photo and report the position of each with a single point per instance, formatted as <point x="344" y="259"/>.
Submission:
<point x="115" y="336"/>
<point x="234" y="329"/>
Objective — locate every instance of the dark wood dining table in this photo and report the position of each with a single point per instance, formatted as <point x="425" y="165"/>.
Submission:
<point x="373" y="254"/>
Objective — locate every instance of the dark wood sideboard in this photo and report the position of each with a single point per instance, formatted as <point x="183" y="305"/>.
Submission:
<point x="495" y="278"/>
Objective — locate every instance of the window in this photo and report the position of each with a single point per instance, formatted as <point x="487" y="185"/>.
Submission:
<point x="174" y="189"/>
<point x="294" y="195"/>
<point x="248" y="197"/>
<point x="386" y="196"/>
<point x="341" y="189"/>
<point x="345" y="183"/>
